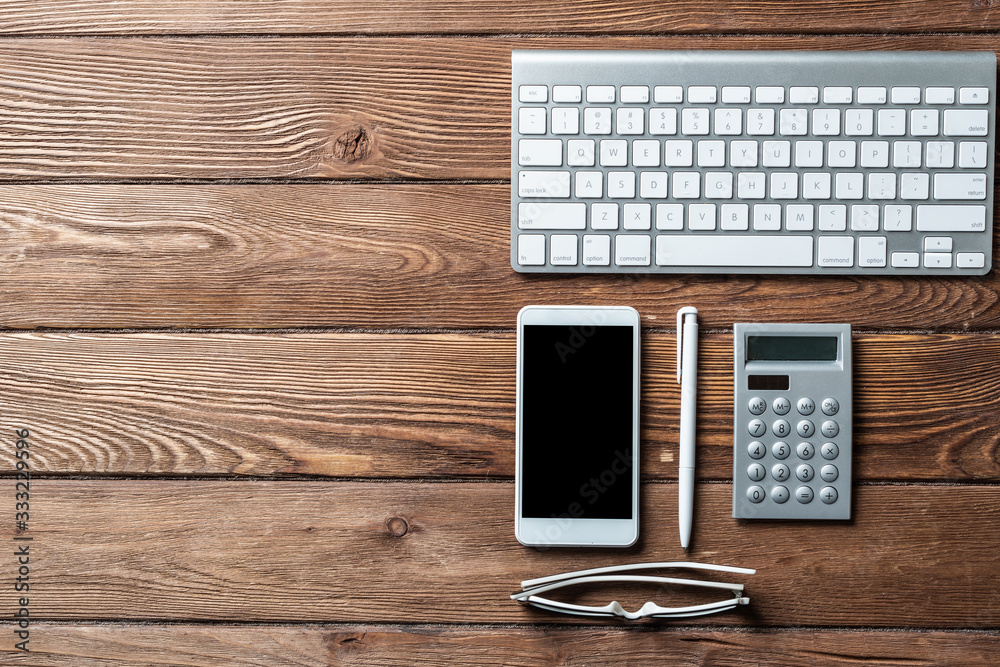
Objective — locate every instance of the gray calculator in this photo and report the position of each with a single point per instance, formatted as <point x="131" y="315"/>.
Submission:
<point x="792" y="421"/>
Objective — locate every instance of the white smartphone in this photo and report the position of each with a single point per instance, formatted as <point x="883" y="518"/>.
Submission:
<point x="577" y="432"/>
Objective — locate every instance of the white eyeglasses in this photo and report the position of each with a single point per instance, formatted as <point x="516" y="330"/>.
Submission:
<point x="529" y="595"/>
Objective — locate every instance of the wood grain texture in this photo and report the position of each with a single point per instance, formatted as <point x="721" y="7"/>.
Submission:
<point x="441" y="405"/>
<point x="158" y="550"/>
<point x="316" y="108"/>
<point x="481" y="17"/>
<point x="374" y="256"/>
<point x="317" y="646"/>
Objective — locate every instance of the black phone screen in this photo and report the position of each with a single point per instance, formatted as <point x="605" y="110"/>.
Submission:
<point x="577" y="421"/>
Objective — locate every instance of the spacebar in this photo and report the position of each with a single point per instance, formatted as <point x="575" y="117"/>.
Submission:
<point x="726" y="250"/>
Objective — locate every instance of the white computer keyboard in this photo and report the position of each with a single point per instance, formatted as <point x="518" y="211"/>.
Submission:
<point x="876" y="163"/>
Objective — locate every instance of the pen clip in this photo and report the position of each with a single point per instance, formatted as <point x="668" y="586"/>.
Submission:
<point x="686" y="310"/>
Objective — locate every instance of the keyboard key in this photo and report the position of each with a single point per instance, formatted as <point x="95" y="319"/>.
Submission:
<point x="969" y="95"/>
<point x="600" y="94"/>
<point x="552" y="215"/>
<point x="951" y="218"/>
<point x="803" y="95"/>
<point x="769" y="95"/>
<point x="726" y="250"/>
<point x="562" y="249"/>
<point x="959" y="186"/>
<point x="702" y="94"/>
<point x="835" y="251"/>
<point x="905" y="260"/>
<point x="565" y="120"/>
<point x="728" y="121"/>
<point x="597" y="120"/>
<point x="792" y="121"/>
<point x="596" y="250"/>
<point x="882" y="185"/>
<point x="567" y="94"/>
<point x="580" y="152"/>
<point x="604" y="216"/>
<point x="632" y="250"/>
<point x="589" y="184"/>
<point x="940" y="154"/>
<point x="970" y="260"/>
<point x="630" y="120"/>
<point x="838" y="95"/>
<point x="531" y="120"/>
<point x="694" y="121"/>
<point x="535" y="94"/>
<point x="859" y="122"/>
<point x="891" y="122"/>
<point x="897" y="218"/>
<point x="736" y="95"/>
<point x="668" y="94"/>
<point x="924" y="122"/>
<point x="614" y="153"/>
<point x="634" y="94"/>
<point x="531" y="249"/>
<point x="972" y="155"/>
<point x="938" y="244"/>
<point x="543" y="184"/>
<point x="905" y="95"/>
<point x="872" y="95"/>
<point x="645" y="153"/>
<point x="539" y="152"/>
<point x="872" y="251"/>
<point x="663" y="121"/>
<point x="939" y="95"/>
<point x="937" y="260"/>
<point x="966" y="122"/>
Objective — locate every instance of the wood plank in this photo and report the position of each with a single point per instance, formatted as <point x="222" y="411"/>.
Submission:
<point x="480" y="17"/>
<point x="379" y="256"/>
<point x="295" y="108"/>
<point x="440" y="405"/>
<point x="360" y="552"/>
<point x="318" y="646"/>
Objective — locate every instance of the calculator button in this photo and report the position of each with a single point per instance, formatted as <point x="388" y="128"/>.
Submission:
<point x="805" y="406"/>
<point x="830" y="406"/>
<point x="830" y="451"/>
<point x="781" y="450"/>
<point x="804" y="494"/>
<point x="781" y="428"/>
<point x="805" y="428"/>
<point x="780" y="472"/>
<point x="781" y="405"/>
<point x="756" y="472"/>
<point x="829" y="473"/>
<point x="755" y="494"/>
<point x="830" y="428"/>
<point x="805" y="450"/>
<point x="828" y="495"/>
<point x="756" y="450"/>
<point x="757" y="428"/>
<point x="757" y="405"/>
<point x="779" y="494"/>
<point x="804" y="472"/>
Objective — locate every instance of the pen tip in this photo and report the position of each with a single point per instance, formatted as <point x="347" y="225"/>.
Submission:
<point x="685" y="549"/>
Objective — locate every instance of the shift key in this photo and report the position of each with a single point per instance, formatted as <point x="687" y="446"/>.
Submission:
<point x="956" y="218"/>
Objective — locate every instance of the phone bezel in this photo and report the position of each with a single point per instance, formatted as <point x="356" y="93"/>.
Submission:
<point x="567" y="531"/>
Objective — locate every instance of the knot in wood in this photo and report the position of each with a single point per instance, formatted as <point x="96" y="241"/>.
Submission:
<point x="353" y="144"/>
<point x="397" y="526"/>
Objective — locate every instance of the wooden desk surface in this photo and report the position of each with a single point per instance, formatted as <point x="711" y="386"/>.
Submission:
<point x="257" y="321"/>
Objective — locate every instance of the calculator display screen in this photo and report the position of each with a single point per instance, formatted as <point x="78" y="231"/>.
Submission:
<point x="791" y="348"/>
<point x="577" y="415"/>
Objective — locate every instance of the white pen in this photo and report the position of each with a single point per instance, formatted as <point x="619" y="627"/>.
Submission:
<point x="687" y="376"/>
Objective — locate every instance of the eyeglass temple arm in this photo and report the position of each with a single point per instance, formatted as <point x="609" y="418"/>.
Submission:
<point x="636" y="566"/>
